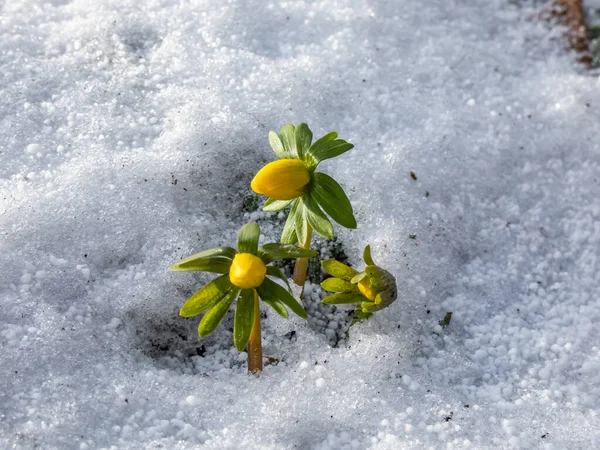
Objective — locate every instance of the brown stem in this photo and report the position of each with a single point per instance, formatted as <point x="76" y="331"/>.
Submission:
<point x="301" y="265"/>
<point x="255" y="359"/>
<point x="570" y="13"/>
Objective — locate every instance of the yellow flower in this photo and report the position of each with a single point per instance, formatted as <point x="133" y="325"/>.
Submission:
<point x="364" y="286"/>
<point x="371" y="290"/>
<point x="247" y="271"/>
<point x="244" y="275"/>
<point x="283" y="179"/>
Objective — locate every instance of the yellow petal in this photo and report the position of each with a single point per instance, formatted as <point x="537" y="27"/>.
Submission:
<point x="364" y="286"/>
<point x="247" y="271"/>
<point x="283" y="179"/>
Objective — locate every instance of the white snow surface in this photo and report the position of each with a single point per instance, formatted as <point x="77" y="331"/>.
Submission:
<point x="129" y="133"/>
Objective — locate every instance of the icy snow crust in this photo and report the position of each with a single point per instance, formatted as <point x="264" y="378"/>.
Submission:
<point x="129" y="133"/>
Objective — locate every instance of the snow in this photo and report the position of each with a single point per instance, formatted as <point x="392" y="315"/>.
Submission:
<point x="129" y="133"/>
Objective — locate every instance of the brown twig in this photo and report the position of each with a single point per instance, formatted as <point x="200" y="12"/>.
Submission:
<point x="570" y="14"/>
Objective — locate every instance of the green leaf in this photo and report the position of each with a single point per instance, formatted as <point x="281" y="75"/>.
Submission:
<point x="593" y="32"/>
<point x="288" y="137"/>
<point x="369" y="307"/>
<point x="277" y="146"/>
<point x="339" y="285"/>
<point x="316" y="218"/>
<point x="325" y="148"/>
<point x="270" y="290"/>
<point x="337" y="269"/>
<point x="244" y="319"/>
<point x="380" y="278"/>
<point x="277" y="272"/>
<point x="214" y="316"/>
<point x="288" y="235"/>
<point x="277" y="306"/>
<point x="446" y="320"/>
<point x="387" y="297"/>
<point x="359" y="315"/>
<point x="303" y="137"/>
<point x="367" y="256"/>
<point x="323" y="141"/>
<point x="291" y="239"/>
<point x="273" y="252"/>
<point x="339" y="299"/>
<point x="331" y="150"/>
<point x="273" y="205"/>
<point x="332" y="198"/>
<point x="358" y="278"/>
<point x="248" y="238"/>
<point x="226" y="252"/>
<point x="302" y="225"/>
<point x="206" y="297"/>
<point x="216" y="264"/>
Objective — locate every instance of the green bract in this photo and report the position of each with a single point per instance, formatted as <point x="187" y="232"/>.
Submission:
<point x="218" y="295"/>
<point x="314" y="201"/>
<point x="371" y="290"/>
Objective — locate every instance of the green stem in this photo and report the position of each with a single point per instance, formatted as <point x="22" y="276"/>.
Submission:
<point x="302" y="263"/>
<point x="255" y="359"/>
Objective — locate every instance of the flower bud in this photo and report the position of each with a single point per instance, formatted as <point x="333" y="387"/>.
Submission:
<point x="364" y="286"/>
<point x="247" y="271"/>
<point x="283" y="179"/>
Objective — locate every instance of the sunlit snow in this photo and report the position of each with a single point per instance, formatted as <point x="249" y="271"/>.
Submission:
<point x="129" y="133"/>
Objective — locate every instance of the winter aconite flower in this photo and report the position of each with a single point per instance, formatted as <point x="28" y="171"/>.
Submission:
<point x="293" y="180"/>
<point x="372" y="289"/>
<point x="245" y="277"/>
<point x="247" y="271"/>
<point x="313" y="195"/>
<point x="284" y="179"/>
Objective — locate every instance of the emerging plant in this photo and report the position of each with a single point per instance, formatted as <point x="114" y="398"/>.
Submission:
<point x="245" y="273"/>
<point x="292" y="180"/>
<point x="372" y="289"/>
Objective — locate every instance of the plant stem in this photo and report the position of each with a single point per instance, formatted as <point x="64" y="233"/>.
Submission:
<point x="255" y="359"/>
<point x="301" y="265"/>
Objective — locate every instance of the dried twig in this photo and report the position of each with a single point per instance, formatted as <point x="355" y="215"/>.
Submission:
<point x="570" y="14"/>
